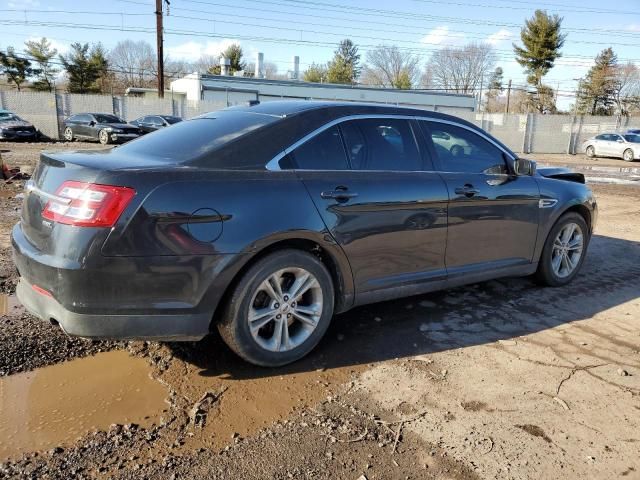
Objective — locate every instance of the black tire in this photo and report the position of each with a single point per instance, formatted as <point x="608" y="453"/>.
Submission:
<point x="590" y="151"/>
<point x="545" y="274"/>
<point x="628" y="155"/>
<point x="234" y="324"/>
<point x="103" y="137"/>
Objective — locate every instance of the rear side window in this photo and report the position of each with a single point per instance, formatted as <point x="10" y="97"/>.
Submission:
<point x="323" y="152"/>
<point x="381" y="144"/>
<point x="197" y="138"/>
<point x="461" y="150"/>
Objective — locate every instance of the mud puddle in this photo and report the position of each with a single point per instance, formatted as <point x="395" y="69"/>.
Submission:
<point x="53" y="406"/>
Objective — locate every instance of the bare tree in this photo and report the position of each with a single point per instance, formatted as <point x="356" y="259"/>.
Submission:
<point x="461" y="70"/>
<point x="627" y="94"/>
<point x="388" y="66"/>
<point x="205" y="62"/>
<point x="134" y="63"/>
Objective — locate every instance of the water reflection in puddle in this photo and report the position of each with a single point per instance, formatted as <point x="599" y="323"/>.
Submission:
<point x="55" y="405"/>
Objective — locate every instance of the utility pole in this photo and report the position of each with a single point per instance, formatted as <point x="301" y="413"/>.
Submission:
<point x="480" y="96"/>
<point x="506" y="107"/>
<point x="159" y="40"/>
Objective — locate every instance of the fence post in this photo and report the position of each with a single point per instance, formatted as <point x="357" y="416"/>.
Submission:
<point x="571" y="142"/>
<point x="3" y="104"/>
<point x="525" y="150"/>
<point x="57" y="103"/>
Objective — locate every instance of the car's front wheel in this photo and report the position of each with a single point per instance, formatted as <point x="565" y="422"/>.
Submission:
<point x="591" y="152"/>
<point x="68" y="134"/>
<point x="628" y="155"/>
<point x="104" y="138"/>
<point x="279" y="310"/>
<point x="564" y="250"/>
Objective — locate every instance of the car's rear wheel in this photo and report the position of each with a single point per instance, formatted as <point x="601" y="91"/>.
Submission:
<point x="591" y="152"/>
<point x="564" y="251"/>
<point x="103" y="137"/>
<point x="279" y="310"/>
<point x="68" y="134"/>
<point x="627" y="155"/>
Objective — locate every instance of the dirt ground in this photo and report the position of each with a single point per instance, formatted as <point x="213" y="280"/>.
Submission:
<point x="502" y="379"/>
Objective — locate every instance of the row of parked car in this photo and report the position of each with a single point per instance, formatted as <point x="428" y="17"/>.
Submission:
<point x="103" y="127"/>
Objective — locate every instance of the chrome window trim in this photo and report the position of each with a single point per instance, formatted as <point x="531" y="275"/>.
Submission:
<point x="273" y="164"/>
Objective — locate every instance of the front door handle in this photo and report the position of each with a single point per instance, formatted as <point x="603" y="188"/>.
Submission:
<point x="342" y="194"/>
<point x="468" y="190"/>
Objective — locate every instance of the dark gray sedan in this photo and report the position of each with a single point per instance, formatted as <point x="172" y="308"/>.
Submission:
<point x="264" y="221"/>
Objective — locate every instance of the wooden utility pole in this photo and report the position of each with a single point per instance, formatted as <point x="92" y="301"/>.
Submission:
<point x="506" y="107"/>
<point x="159" y="40"/>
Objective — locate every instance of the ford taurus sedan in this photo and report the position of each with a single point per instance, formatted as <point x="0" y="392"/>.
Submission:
<point x="265" y="221"/>
<point x="625" y="146"/>
<point x="103" y="127"/>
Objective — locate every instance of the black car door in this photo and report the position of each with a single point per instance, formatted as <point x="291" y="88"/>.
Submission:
<point x="493" y="213"/>
<point x="380" y="203"/>
<point x="82" y="126"/>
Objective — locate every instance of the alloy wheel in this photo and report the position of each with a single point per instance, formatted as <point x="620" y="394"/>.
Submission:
<point x="285" y="309"/>
<point x="103" y="136"/>
<point x="68" y="134"/>
<point x="567" y="250"/>
<point x="628" y="155"/>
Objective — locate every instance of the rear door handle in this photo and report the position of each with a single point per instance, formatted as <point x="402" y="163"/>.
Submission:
<point x="342" y="194"/>
<point x="468" y="190"/>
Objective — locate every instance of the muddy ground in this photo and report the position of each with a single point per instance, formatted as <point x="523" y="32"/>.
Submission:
<point x="496" y="380"/>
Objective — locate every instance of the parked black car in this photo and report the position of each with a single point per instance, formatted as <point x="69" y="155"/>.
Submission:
<point x="264" y="221"/>
<point x="12" y="127"/>
<point x="634" y="131"/>
<point x="104" y="127"/>
<point x="151" y="123"/>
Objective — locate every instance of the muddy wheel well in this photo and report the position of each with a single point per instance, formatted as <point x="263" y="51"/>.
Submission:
<point x="296" y="243"/>
<point x="582" y="211"/>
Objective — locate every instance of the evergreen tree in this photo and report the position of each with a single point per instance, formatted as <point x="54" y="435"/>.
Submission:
<point x="597" y="95"/>
<point x="315" y="73"/>
<point x="235" y="55"/>
<point x="542" y="40"/>
<point x="344" y="68"/>
<point x="42" y="53"/>
<point x="14" y="67"/>
<point x="84" y="68"/>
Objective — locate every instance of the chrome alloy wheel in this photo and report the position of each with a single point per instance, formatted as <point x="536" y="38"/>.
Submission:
<point x="567" y="250"/>
<point x="285" y="309"/>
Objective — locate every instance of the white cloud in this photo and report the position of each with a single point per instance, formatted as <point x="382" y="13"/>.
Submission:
<point x="440" y="35"/>
<point x="635" y="27"/>
<point x="498" y="37"/>
<point x="192" y="51"/>
<point x="24" y="3"/>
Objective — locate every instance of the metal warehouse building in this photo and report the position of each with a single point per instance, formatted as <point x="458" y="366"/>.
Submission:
<point x="232" y="90"/>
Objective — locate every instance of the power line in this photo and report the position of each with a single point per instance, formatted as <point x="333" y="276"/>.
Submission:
<point x="511" y="7"/>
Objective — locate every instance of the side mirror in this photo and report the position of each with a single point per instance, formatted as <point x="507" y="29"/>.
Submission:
<point x="620" y="140"/>
<point x="92" y="123"/>
<point x="524" y="167"/>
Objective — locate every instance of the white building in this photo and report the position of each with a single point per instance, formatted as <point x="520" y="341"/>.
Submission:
<point x="231" y="90"/>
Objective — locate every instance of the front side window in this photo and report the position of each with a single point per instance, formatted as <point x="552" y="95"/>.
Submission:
<point x="322" y="152"/>
<point x="381" y="144"/>
<point x="461" y="150"/>
<point x="106" y="118"/>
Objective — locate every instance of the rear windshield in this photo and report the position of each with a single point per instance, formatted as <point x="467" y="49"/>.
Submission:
<point x="193" y="139"/>
<point x="103" y="118"/>
<point x="8" y="117"/>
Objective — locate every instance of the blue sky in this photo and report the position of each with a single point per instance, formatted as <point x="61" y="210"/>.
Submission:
<point x="283" y="28"/>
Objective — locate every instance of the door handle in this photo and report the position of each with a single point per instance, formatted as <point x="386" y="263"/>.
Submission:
<point x="342" y="194"/>
<point x="468" y="190"/>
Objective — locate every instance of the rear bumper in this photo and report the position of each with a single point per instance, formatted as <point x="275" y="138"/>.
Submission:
<point x="142" y="298"/>
<point x="113" y="327"/>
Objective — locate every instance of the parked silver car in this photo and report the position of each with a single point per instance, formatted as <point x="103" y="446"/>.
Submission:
<point x="625" y="146"/>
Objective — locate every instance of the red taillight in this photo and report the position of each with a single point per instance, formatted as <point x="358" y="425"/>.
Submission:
<point x="87" y="204"/>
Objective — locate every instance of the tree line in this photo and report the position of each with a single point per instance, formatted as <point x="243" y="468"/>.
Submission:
<point x="608" y="88"/>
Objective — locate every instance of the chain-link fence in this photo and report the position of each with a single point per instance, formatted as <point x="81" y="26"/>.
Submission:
<point x="529" y="133"/>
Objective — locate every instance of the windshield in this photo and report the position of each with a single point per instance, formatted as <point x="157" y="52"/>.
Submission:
<point x="9" y="117"/>
<point x="632" y="138"/>
<point x="172" y="120"/>
<point x="192" y="139"/>
<point x="104" y="118"/>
